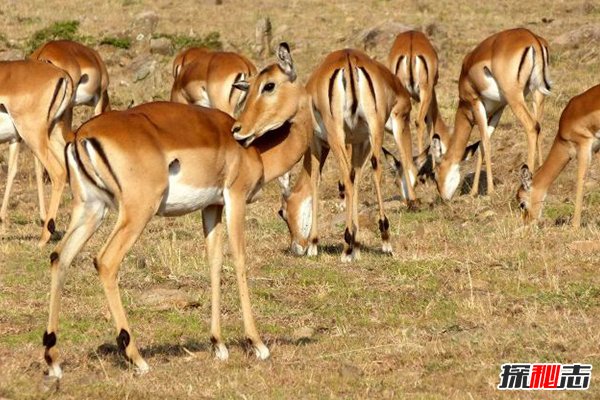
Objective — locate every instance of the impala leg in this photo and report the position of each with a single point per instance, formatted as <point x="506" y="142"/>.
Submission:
<point x="103" y="103"/>
<point x="318" y="156"/>
<point x="213" y="232"/>
<point x="85" y="220"/>
<point x="401" y="131"/>
<point x="130" y="224"/>
<point x="423" y="125"/>
<point x="235" y="209"/>
<point x="538" y="111"/>
<point x="584" y="155"/>
<point x="13" y="156"/>
<point x="39" y="178"/>
<point x="481" y="120"/>
<point x="360" y="153"/>
<point x="492" y="123"/>
<point x="532" y="127"/>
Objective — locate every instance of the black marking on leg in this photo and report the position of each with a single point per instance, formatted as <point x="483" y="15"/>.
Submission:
<point x="538" y="128"/>
<point x="315" y="241"/>
<point x="96" y="266"/>
<point x="352" y="175"/>
<point x="384" y="224"/>
<point x="49" y="339"/>
<point x="51" y="226"/>
<point x="174" y="167"/>
<point x="123" y="340"/>
<point x="330" y="90"/>
<point x="348" y="237"/>
<point x="374" y="162"/>
<point x="342" y="190"/>
<point x="53" y="257"/>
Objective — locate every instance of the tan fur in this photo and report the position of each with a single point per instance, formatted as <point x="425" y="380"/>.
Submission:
<point x="499" y="55"/>
<point x="578" y="134"/>
<point x="36" y="96"/>
<point x="153" y="150"/>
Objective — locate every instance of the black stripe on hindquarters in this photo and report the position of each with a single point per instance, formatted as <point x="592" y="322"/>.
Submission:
<point x="54" y="96"/>
<point x="402" y="57"/>
<point x="330" y="89"/>
<point x="98" y="147"/>
<point x="425" y="65"/>
<point x="371" y="86"/>
<point x="237" y="78"/>
<point x="411" y="78"/>
<point x="87" y="174"/>
<point x="354" y="105"/>
<point x="523" y="57"/>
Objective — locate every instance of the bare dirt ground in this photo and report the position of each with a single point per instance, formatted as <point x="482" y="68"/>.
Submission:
<point x="466" y="291"/>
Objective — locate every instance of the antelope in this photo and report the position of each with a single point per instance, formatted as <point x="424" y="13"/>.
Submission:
<point x="34" y="98"/>
<point x="414" y="60"/>
<point x="352" y="98"/>
<point x="170" y="159"/>
<point x="500" y="71"/>
<point x="86" y="69"/>
<point x="578" y="133"/>
<point x="207" y="78"/>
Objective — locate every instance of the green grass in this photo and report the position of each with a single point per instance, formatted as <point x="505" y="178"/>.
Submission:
<point x="60" y="30"/>
<point x="118" y="42"/>
<point x="211" y="40"/>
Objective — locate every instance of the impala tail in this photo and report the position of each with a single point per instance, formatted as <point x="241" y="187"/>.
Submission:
<point x="539" y="78"/>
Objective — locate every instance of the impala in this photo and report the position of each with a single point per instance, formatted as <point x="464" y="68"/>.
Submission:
<point x="86" y="69"/>
<point x="207" y="78"/>
<point x="352" y="98"/>
<point x="415" y="62"/>
<point x="498" y="72"/>
<point x="171" y="159"/>
<point x="35" y="97"/>
<point x="578" y="133"/>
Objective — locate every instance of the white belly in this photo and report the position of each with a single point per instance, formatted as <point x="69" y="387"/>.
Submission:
<point x="182" y="199"/>
<point x="8" y="131"/>
<point x="492" y="92"/>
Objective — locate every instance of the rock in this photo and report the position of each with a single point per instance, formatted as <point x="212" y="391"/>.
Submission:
<point x="11" y="54"/>
<point x="161" y="46"/>
<point x="303" y="335"/>
<point x="582" y="35"/>
<point x="141" y="67"/>
<point x="381" y="36"/>
<point x="164" y="299"/>
<point x="142" y="29"/>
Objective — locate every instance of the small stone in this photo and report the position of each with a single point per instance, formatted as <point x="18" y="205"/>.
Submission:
<point x="161" y="46"/>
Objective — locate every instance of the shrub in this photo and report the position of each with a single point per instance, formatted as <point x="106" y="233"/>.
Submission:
<point x="211" y="41"/>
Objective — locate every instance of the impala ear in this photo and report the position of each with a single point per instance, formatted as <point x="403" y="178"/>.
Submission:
<point x="471" y="150"/>
<point x="285" y="61"/>
<point x="392" y="161"/>
<point x="526" y="177"/>
<point x="242" y="85"/>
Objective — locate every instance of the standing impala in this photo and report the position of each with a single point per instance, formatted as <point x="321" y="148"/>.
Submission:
<point x="34" y="97"/>
<point x="207" y="78"/>
<point x="415" y="62"/>
<point x="352" y="97"/>
<point x="578" y="133"/>
<point x="499" y="72"/>
<point x="171" y="159"/>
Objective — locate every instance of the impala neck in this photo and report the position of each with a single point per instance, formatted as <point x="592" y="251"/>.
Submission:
<point x="460" y="138"/>
<point x="281" y="149"/>
<point x="557" y="159"/>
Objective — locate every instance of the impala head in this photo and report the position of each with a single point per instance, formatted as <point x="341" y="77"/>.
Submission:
<point x="447" y="171"/>
<point x="529" y="210"/>
<point x="272" y="98"/>
<point x="296" y="211"/>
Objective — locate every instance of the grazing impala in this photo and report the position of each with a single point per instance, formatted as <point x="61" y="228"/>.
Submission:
<point x="353" y="97"/>
<point x="86" y="69"/>
<point x="500" y="71"/>
<point x="171" y="159"/>
<point x="34" y="97"/>
<point x="207" y="78"/>
<point x="578" y="133"/>
<point x="415" y="62"/>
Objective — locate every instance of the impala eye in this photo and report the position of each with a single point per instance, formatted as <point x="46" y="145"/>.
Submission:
<point x="268" y="87"/>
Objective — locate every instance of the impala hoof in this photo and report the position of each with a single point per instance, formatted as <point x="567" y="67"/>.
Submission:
<point x="261" y="351"/>
<point x="312" y="250"/>
<point x="221" y="352"/>
<point x="354" y="255"/>
<point x="54" y="371"/>
<point x="387" y="248"/>
<point x="142" y="368"/>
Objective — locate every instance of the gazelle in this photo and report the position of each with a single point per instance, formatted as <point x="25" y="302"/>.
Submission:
<point x="86" y="69"/>
<point x="578" y="134"/>
<point x="414" y="60"/>
<point x="34" y="97"/>
<point x="207" y="78"/>
<point x="500" y="71"/>
<point x="352" y="98"/>
<point x="171" y="159"/>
